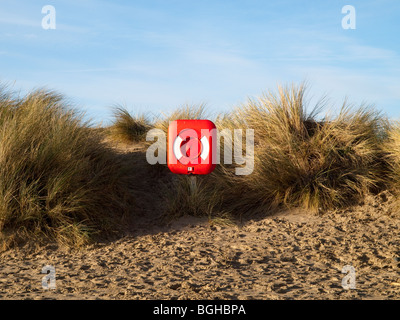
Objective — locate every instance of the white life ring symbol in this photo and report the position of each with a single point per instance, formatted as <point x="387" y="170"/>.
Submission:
<point x="205" y="148"/>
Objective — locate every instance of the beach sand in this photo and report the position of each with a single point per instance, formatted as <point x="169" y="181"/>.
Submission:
<point x="291" y="255"/>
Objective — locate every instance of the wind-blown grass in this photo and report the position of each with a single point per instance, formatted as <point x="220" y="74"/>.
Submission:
<point x="303" y="161"/>
<point x="127" y="128"/>
<point x="58" y="180"/>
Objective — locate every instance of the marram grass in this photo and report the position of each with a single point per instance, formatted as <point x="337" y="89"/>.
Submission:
<point x="302" y="159"/>
<point x="127" y="128"/>
<point x="58" y="181"/>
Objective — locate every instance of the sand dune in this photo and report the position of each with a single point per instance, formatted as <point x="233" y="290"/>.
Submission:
<point x="293" y="255"/>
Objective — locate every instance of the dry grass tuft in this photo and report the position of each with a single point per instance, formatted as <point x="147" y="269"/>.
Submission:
<point x="303" y="161"/>
<point x="191" y="195"/>
<point x="127" y="128"/>
<point x="58" y="180"/>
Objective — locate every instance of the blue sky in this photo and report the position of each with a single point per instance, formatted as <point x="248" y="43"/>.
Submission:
<point x="154" y="56"/>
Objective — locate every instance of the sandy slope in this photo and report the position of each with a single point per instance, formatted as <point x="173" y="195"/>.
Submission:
<point x="293" y="255"/>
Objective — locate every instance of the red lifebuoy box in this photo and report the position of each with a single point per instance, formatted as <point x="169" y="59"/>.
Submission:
<point x="191" y="146"/>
